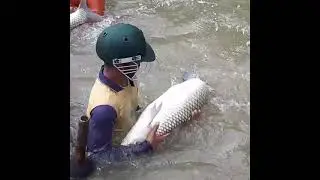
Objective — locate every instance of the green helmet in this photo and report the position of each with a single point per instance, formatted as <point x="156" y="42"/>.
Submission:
<point x="123" y="41"/>
<point x="124" y="47"/>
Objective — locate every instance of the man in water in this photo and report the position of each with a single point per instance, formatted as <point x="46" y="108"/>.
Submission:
<point x="114" y="96"/>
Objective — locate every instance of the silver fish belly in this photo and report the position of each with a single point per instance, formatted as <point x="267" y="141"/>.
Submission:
<point x="170" y="110"/>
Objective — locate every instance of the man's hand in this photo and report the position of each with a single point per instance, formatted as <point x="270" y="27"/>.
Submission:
<point x="155" y="139"/>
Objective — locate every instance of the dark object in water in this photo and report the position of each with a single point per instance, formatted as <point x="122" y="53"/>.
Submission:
<point x="81" y="143"/>
<point x="188" y="75"/>
<point x="80" y="165"/>
<point x="81" y="170"/>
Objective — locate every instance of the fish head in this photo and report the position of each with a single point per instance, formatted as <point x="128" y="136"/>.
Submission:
<point x="188" y="75"/>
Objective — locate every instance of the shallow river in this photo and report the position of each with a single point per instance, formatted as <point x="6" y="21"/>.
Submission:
<point x="209" y="37"/>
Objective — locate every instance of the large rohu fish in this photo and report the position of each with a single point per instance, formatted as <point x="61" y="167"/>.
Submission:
<point x="170" y="110"/>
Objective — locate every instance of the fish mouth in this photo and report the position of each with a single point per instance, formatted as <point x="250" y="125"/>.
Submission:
<point x="189" y="75"/>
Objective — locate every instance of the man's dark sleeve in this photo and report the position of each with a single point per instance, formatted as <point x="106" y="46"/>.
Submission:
<point x="100" y="137"/>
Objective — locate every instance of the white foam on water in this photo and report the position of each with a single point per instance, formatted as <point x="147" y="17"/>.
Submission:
<point x="83" y="38"/>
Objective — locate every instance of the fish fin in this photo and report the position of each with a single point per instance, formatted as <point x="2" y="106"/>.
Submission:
<point x="83" y="4"/>
<point x="155" y="109"/>
<point x="91" y="16"/>
<point x="189" y="75"/>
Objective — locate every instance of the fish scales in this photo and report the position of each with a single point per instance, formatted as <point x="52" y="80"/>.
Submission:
<point x="77" y="18"/>
<point x="171" y="109"/>
<point x="183" y="112"/>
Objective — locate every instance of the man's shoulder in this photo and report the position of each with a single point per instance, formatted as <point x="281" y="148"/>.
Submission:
<point x="106" y="111"/>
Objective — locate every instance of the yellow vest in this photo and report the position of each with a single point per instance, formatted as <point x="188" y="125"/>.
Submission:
<point x="125" y="102"/>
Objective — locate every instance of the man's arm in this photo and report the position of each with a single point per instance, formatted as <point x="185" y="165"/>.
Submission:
<point x="100" y="137"/>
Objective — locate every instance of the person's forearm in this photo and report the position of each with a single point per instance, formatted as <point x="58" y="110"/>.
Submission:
<point x="121" y="153"/>
<point x="100" y="138"/>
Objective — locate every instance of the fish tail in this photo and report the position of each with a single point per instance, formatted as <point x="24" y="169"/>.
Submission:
<point x="83" y="4"/>
<point x="91" y="16"/>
